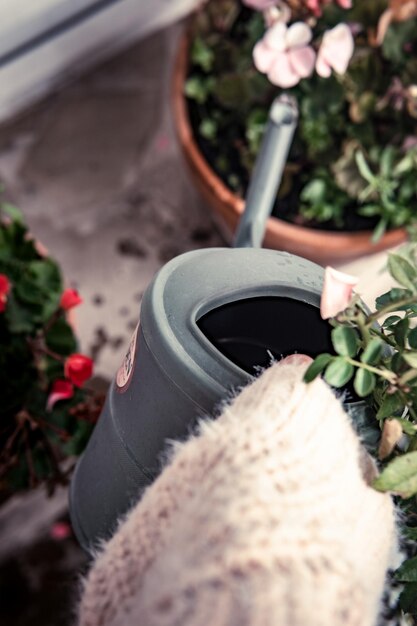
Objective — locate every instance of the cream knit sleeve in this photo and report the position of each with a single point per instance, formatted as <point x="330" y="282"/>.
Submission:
<point x="263" y="518"/>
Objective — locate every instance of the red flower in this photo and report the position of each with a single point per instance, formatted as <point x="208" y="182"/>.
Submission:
<point x="61" y="390"/>
<point x="4" y="290"/>
<point x="78" y="368"/>
<point x="69" y="299"/>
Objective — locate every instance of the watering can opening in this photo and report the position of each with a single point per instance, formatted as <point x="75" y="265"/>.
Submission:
<point x="251" y="332"/>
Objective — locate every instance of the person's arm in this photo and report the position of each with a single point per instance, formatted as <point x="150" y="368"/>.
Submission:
<point x="265" y="511"/>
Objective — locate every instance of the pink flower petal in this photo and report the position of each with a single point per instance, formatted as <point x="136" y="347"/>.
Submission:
<point x="323" y="69"/>
<point x="263" y="57"/>
<point x="298" y="34"/>
<point x="61" y="390"/>
<point x="345" y="4"/>
<point x="281" y="72"/>
<point x="275" y="37"/>
<point x="337" y="47"/>
<point x="302" y="60"/>
<point x="337" y="292"/>
<point x="314" y="6"/>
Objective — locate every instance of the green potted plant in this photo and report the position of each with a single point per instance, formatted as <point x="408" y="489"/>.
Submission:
<point x="375" y="355"/>
<point x="349" y="187"/>
<point x="46" y="414"/>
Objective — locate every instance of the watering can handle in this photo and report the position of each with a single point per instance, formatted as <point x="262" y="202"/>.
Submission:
<point x="267" y="175"/>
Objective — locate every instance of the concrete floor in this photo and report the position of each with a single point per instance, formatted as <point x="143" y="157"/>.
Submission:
<point x="98" y="173"/>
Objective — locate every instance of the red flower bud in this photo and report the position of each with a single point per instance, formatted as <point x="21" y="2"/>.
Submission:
<point x="61" y="390"/>
<point x="69" y="299"/>
<point x="4" y="290"/>
<point x="78" y="368"/>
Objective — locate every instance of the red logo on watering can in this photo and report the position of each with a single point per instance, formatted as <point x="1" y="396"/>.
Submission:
<point x="125" y="371"/>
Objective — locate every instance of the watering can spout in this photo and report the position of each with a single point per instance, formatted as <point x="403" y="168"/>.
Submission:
<point x="267" y="175"/>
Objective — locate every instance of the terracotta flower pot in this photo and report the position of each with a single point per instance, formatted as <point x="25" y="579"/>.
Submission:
<point x="318" y="245"/>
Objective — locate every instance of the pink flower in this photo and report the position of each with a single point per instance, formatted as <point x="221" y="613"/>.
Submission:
<point x="260" y="5"/>
<point x="283" y="54"/>
<point x="78" y="368"/>
<point x="335" y="51"/>
<point x="69" y="299"/>
<point x="4" y="291"/>
<point x="409" y="143"/>
<point x="60" y="531"/>
<point x="61" y="390"/>
<point x="337" y="292"/>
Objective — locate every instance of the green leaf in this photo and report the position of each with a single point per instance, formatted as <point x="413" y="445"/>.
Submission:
<point x="390" y="321"/>
<point x="369" y="210"/>
<point x="387" y="161"/>
<point x="373" y="351"/>
<point x="317" y="366"/>
<point x="19" y="318"/>
<point x="407" y="572"/>
<point x="412" y="338"/>
<point x="408" y="427"/>
<point x="255" y="129"/>
<point x="198" y="88"/>
<point x="401" y="332"/>
<point x="314" y="191"/>
<point x="363" y="167"/>
<point x="379" y="230"/>
<point x="383" y="300"/>
<point x="60" y="338"/>
<point x="410" y="358"/>
<point x="231" y="90"/>
<point x="13" y="212"/>
<point x="345" y="341"/>
<point x="397" y="35"/>
<point x="411" y="532"/>
<point x="403" y="271"/>
<point x="364" y="382"/>
<point x="408" y="598"/>
<point x="338" y="372"/>
<point x="400" y="476"/>
<point x="391" y="404"/>
<point x="208" y="128"/>
<point x="202" y="55"/>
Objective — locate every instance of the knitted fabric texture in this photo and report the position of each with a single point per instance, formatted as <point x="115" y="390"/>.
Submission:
<point x="263" y="518"/>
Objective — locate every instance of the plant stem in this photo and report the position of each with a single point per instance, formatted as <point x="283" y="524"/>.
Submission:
<point x="58" y="431"/>
<point x="39" y="346"/>
<point x="54" y="317"/>
<point x="385" y="338"/>
<point x="364" y="330"/>
<point x="408" y="376"/>
<point x="390" y="376"/>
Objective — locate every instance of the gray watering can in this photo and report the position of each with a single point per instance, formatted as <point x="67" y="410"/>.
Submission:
<point x="209" y="320"/>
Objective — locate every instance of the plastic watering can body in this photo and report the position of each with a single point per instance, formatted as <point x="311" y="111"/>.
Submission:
<point x="209" y="320"/>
